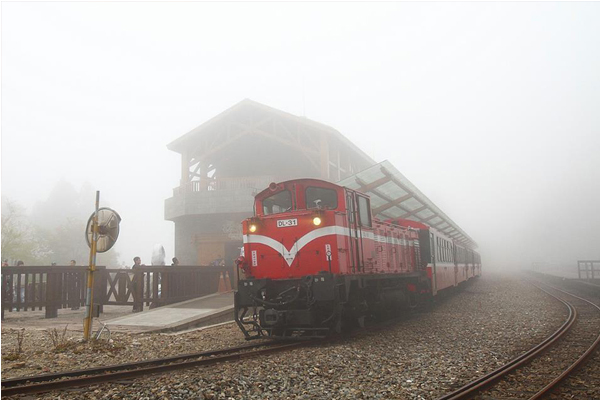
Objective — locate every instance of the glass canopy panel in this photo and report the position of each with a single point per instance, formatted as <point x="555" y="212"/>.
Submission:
<point x="424" y="214"/>
<point x="376" y="201"/>
<point x="368" y="176"/>
<point x="391" y="190"/>
<point x="411" y="204"/>
<point x="434" y="221"/>
<point x="385" y="179"/>
<point x="392" y="212"/>
<point x="399" y="211"/>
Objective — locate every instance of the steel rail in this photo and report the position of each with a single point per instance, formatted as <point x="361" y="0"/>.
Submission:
<point x="546" y="389"/>
<point x="120" y="367"/>
<point x="476" y="385"/>
<point x="123" y="371"/>
<point x="83" y="377"/>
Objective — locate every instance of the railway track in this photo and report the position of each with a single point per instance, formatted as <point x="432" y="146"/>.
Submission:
<point x="530" y="375"/>
<point x="86" y="377"/>
<point x="111" y="373"/>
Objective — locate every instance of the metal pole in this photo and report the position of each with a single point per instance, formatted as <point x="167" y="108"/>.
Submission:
<point x="87" y="321"/>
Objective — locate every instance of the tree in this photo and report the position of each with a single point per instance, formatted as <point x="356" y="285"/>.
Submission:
<point x="67" y="242"/>
<point x="58" y="234"/>
<point x="62" y="219"/>
<point x="19" y="239"/>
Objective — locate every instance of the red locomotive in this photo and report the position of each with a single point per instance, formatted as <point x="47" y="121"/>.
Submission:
<point x="315" y="259"/>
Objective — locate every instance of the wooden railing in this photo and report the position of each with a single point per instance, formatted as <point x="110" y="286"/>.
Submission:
<point x="167" y="285"/>
<point x="53" y="288"/>
<point x="257" y="182"/>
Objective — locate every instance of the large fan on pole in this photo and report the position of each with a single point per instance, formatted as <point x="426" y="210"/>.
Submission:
<point x="101" y="233"/>
<point x="108" y="229"/>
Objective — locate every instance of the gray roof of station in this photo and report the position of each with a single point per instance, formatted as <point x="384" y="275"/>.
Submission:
<point x="394" y="196"/>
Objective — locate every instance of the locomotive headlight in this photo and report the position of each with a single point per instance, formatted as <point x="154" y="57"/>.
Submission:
<point x="252" y="228"/>
<point x="317" y="221"/>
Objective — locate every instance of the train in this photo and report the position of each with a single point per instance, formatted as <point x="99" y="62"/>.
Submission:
<point x="314" y="261"/>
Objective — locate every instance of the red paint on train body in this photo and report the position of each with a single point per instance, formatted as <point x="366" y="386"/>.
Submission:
<point x="309" y="228"/>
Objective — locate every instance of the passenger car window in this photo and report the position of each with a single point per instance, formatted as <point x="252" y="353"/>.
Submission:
<point x="364" y="211"/>
<point x="317" y="197"/>
<point x="277" y="203"/>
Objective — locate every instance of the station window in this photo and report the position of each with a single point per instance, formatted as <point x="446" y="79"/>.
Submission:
<point x="317" y="197"/>
<point x="277" y="203"/>
<point x="364" y="211"/>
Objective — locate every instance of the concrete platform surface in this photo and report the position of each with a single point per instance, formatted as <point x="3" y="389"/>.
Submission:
<point x="198" y="312"/>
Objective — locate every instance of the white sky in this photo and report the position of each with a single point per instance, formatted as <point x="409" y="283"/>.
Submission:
<point x="491" y="109"/>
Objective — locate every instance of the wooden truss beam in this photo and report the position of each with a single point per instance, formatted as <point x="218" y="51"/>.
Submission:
<point x="430" y="217"/>
<point x="218" y="143"/>
<point x="415" y="211"/>
<point x="378" y="193"/>
<point x="395" y="203"/>
<point x="364" y="188"/>
<point x="307" y="152"/>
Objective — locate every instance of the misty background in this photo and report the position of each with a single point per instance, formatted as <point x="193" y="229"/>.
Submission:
<point x="490" y="109"/>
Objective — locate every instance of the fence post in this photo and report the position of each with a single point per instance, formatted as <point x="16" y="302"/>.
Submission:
<point x="100" y="288"/>
<point x="73" y="292"/>
<point x="138" y="290"/>
<point x="165" y="287"/>
<point x="52" y="294"/>
<point x="155" y="298"/>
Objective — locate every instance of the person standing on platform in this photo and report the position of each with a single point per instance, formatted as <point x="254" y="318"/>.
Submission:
<point x="137" y="262"/>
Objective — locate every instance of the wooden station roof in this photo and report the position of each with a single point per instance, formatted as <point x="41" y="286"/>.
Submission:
<point x="183" y="143"/>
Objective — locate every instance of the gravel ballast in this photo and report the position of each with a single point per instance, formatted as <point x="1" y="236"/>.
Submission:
<point x="423" y="357"/>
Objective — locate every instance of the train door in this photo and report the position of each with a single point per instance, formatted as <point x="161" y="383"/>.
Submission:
<point x="365" y="224"/>
<point x="396" y="250"/>
<point x="355" y="233"/>
<point x="381" y="248"/>
<point x="456" y="279"/>
<point x="408" y="253"/>
<point x="391" y="240"/>
<point x="433" y="249"/>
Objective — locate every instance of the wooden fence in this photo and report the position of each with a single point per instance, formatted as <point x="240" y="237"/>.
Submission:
<point x="56" y="287"/>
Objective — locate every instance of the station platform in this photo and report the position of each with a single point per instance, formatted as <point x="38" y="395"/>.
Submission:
<point x="203" y="311"/>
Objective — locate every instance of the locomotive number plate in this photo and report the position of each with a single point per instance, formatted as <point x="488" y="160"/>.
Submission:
<point x="283" y="223"/>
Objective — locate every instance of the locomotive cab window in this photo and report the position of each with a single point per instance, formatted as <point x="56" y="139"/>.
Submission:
<point x="277" y="203"/>
<point x="364" y="211"/>
<point x="317" y="197"/>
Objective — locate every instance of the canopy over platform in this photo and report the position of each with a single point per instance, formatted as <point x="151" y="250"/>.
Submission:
<point x="394" y="196"/>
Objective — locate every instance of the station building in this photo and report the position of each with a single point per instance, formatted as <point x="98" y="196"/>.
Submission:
<point x="228" y="159"/>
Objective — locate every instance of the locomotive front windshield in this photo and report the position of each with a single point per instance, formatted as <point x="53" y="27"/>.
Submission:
<point x="318" y="197"/>
<point x="277" y="203"/>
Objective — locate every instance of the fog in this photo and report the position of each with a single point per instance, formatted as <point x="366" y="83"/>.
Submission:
<point x="490" y="109"/>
